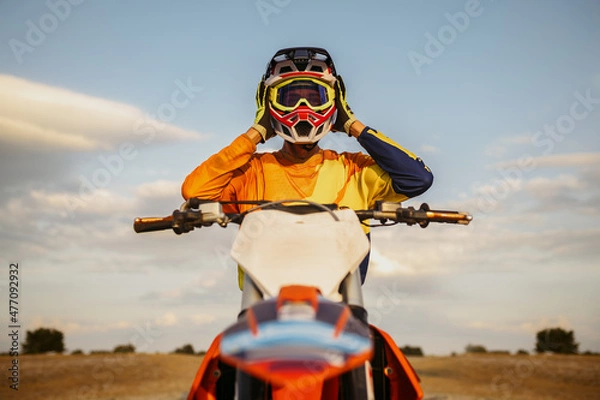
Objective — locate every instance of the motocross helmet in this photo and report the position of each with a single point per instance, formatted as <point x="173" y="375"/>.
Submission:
<point x="302" y="96"/>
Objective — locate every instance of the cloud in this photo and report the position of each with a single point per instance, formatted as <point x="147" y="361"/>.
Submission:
<point x="501" y="146"/>
<point x="43" y="118"/>
<point x="159" y="188"/>
<point x="426" y="148"/>
<point x="168" y="319"/>
<point x="554" y="184"/>
<point x="100" y="236"/>
<point x="533" y="327"/>
<point x="101" y="202"/>
<point x="568" y="160"/>
<point x="554" y="161"/>
<point x="527" y="326"/>
<point x="521" y="139"/>
<point x="499" y="243"/>
<point x="48" y="133"/>
<point x="75" y="326"/>
<point x="21" y="169"/>
<point x="207" y="287"/>
<point x="538" y="184"/>
<point x="382" y="265"/>
<point x="491" y="189"/>
<point x="202" y="319"/>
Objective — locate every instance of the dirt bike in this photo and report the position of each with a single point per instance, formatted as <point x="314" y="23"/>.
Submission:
<point x="303" y="331"/>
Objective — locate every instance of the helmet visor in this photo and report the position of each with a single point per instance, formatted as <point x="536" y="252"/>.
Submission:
<point x="289" y="95"/>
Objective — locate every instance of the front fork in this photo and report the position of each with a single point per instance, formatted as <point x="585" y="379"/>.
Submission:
<point x="358" y="383"/>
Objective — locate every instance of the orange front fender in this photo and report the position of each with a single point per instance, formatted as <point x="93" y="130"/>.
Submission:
<point x="205" y="383"/>
<point x="404" y="381"/>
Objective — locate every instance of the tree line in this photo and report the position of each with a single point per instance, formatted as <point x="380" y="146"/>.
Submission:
<point x="550" y="340"/>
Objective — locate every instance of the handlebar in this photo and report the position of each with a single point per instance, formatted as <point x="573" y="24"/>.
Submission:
<point x="410" y="216"/>
<point x="196" y="213"/>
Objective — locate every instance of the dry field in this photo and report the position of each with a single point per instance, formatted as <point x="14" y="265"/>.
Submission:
<point x="161" y="376"/>
<point x="491" y="377"/>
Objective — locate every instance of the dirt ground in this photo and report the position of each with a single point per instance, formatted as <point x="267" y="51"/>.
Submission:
<point x="162" y="376"/>
<point x="491" y="377"/>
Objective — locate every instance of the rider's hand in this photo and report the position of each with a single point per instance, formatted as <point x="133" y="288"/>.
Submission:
<point x="262" y="122"/>
<point x="345" y="116"/>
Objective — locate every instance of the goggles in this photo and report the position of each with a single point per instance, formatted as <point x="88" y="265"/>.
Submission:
<point x="290" y="94"/>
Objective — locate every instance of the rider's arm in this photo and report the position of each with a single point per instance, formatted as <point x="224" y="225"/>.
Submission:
<point x="410" y="176"/>
<point x="209" y="180"/>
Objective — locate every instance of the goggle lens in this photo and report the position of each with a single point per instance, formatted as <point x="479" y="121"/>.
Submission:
<point x="290" y="94"/>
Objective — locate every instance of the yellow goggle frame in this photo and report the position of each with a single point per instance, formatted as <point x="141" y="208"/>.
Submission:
<point x="274" y="94"/>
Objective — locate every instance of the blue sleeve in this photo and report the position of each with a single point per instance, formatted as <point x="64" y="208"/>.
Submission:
<point x="410" y="176"/>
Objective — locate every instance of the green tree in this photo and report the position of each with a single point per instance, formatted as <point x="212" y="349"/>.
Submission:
<point x="44" y="340"/>
<point x="124" y="348"/>
<point x="96" y="352"/>
<point x="556" y="340"/>
<point x="411" y="351"/>
<point x="475" y="348"/>
<point x="185" y="349"/>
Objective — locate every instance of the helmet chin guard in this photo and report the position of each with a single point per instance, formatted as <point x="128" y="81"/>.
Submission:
<point x="302" y="98"/>
<point x="302" y="125"/>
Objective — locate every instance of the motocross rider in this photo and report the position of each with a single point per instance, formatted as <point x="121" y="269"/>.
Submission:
<point x="301" y="98"/>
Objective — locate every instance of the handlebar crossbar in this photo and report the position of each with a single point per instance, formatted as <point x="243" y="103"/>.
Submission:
<point x="196" y="213"/>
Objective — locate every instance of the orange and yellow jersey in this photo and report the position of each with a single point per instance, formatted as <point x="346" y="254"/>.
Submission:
<point x="353" y="180"/>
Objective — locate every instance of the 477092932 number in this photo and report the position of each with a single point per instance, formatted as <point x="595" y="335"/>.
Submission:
<point x="13" y="294"/>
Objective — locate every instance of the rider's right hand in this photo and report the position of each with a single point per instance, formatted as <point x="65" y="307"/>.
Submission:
<point x="262" y="122"/>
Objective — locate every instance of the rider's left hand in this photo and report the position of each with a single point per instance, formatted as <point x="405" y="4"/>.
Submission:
<point x="345" y="116"/>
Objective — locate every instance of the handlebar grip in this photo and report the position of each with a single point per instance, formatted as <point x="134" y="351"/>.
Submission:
<point x="450" y="217"/>
<point x="151" y="224"/>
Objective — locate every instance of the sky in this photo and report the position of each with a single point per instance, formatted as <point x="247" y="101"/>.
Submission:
<point x="105" y="107"/>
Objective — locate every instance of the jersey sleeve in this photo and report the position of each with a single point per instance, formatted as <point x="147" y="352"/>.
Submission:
<point x="409" y="176"/>
<point x="211" y="178"/>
